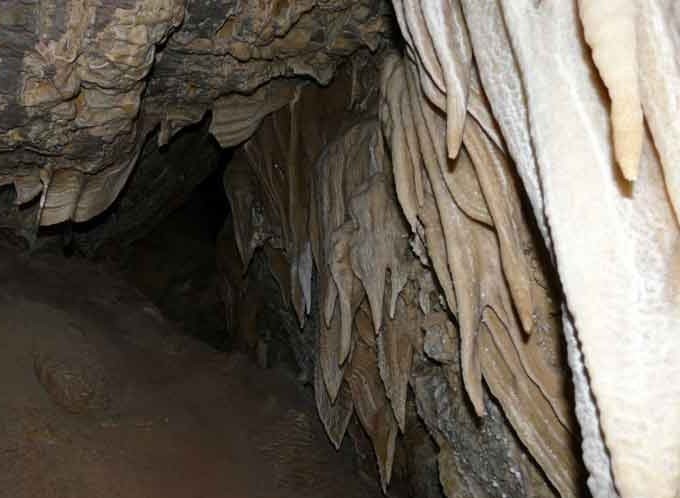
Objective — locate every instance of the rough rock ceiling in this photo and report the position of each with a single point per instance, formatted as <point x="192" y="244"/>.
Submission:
<point x="83" y="82"/>
<point x="438" y="191"/>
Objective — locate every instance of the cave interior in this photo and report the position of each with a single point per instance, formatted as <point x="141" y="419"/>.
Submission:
<point x="323" y="248"/>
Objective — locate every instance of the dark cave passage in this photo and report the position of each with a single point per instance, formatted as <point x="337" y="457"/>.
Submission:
<point x="175" y="263"/>
<point x="172" y="256"/>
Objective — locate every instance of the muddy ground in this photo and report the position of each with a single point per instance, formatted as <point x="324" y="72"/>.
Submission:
<point x="103" y="397"/>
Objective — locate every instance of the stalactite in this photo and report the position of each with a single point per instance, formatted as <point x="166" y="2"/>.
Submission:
<point x="381" y="302"/>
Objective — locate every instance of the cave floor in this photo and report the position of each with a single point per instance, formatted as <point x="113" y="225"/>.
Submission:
<point x="102" y="397"/>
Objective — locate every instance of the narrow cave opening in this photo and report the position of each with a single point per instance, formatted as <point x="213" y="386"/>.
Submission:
<point x="178" y="249"/>
<point x="175" y="263"/>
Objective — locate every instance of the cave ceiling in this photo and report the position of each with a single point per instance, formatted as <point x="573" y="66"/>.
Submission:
<point x="83" y="83"/>
<point x="481" y="196"/>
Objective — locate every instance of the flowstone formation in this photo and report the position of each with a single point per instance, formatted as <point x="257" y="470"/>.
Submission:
<point x="569" y="86"/>
<point x="474" y="219"/>
<point x="319" y="185"/>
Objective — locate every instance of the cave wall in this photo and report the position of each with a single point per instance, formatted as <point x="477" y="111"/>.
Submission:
<point x="316" y="184"/>
<point x="498" y="195"/>
<point x="579" y="91"/>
